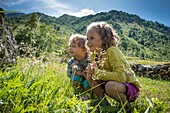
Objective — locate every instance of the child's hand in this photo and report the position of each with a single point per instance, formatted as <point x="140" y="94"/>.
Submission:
<point x="91" y="68"/>
<point x="80" y="73"/>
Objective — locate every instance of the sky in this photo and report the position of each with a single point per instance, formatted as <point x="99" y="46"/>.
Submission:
<point x="154" y="10"/>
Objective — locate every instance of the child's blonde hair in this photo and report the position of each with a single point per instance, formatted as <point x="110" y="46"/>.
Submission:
<point x="107" y="33"/>
<point x="79" y="39"/>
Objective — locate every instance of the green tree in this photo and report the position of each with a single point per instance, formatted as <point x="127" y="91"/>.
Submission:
<point x="33" y="21"/>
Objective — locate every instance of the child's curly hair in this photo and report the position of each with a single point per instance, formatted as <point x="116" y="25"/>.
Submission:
<point x="107" y="33"/>
<point x="79" y="39"/>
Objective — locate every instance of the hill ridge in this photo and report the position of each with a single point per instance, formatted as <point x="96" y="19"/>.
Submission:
<point x="153" y="37"/>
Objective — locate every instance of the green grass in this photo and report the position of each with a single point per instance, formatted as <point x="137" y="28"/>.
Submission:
<point x="36" y="86"/>
<point x="145" y="62"/>
<point x="158" y="93"/>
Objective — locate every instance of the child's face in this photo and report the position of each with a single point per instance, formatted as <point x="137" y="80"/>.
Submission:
<point x="75" y="51"/>
<point x="94" y="40"/>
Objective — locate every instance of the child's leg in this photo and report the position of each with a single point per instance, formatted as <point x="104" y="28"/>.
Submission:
<point x="77" y="86"/>
<point x="116" y="90"/>
<point x="97" y="90"/>
<point x="86" y="85"/>
<point x="76" y="82"/>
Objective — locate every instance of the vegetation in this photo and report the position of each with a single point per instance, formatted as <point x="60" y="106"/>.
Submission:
<point x="38" y="85"/>
<point x="139" y="37"/>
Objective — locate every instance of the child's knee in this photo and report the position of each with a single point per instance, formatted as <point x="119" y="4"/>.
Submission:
<point x="108" y="88"/>
<point x="111" y="88"/>
<point x="115" y="86"/>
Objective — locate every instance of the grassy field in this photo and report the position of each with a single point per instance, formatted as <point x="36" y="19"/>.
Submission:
<point x="42" y="86"/>
<point x="145" y="62"/>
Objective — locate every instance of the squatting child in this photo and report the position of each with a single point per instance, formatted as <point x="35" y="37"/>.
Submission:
<point x="78" y="63"/>
<point x="117" y="78"/>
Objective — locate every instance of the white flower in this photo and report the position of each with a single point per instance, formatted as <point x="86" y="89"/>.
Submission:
<point x="74" y="68"/>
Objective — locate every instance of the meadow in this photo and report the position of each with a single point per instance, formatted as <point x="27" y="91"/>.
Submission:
<point x="41" y="85"/>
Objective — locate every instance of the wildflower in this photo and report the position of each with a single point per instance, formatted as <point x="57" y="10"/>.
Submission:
<point x="97" y="60"/>
<point x="74" y="68"/>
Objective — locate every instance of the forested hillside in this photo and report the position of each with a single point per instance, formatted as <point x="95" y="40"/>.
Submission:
<point x="139" y="37"/>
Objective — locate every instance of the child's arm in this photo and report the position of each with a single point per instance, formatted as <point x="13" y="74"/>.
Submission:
<point x="117" y="65"/>
<point x="69" y="68"/>
<point x="69" y="72"/>
<point x="80" y="73"/>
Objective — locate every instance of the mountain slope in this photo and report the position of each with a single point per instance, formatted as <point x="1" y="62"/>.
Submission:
<point x="139" y="37"/>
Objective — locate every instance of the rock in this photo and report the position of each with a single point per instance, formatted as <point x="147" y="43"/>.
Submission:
<point x="8" y="45"/>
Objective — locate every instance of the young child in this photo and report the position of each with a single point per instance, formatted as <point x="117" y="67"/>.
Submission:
<point x="78" y="63"/>
<point x="116" y="78"/>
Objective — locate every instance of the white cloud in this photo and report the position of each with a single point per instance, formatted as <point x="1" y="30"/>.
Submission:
<point x="13" y="2"/>
<point x="54" y="4"/>
<point x="50" y="7"/>
<point x="83" y="12"/>
<point x="56" y="8"/>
